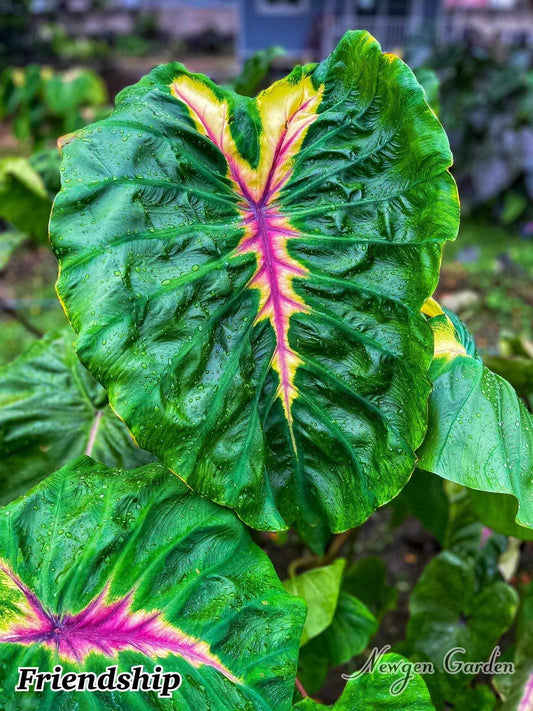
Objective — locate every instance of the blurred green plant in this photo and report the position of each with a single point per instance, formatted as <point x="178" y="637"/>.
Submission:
<point x="485" y="103"/>
<point x="256" y="71"/>
<point x="43" y="104"/>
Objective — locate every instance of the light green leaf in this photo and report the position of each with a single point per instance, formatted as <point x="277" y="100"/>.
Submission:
<point x="9" y="241"/>
<point x="374" y="691"/>
<point x="245" y="278"/>
<point x="98" y="570"/>
<point x="52" y="410"/>
<point x="24" y="201"/>
<point x="320" y="589"/>
<point x="347" y="636"/>
<point x="479" y="433"/>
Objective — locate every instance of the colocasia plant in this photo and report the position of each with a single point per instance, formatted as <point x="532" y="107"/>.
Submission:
<point x="249" y="281"/>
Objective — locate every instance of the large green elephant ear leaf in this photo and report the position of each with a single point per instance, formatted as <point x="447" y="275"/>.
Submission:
<point x="245" y="277"/>
<point x="51" y="411"/>
<point x="102" y="567"/>
<point x="479" y="432"/>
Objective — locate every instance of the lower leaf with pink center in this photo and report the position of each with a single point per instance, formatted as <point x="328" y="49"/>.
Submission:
<point x="148" y="578"/>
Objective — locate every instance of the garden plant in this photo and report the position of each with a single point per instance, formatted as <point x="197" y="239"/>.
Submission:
<point x="254" y="348"/>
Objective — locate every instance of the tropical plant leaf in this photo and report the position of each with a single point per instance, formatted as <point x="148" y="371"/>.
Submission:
<point x="320" y="588"/>
<point x="245" y="277"/>
<point x="479" y="433"/>
<point x="348" y="635"/>
<point x="516" y="688"/>
<point x="24" y="201"/>
<point x="51" y="411"/>
<point x="366" y="579"/>
<point x="423" y="497"/>
<point x="350" y="631"/>
<point x="255" y="71"/>
<point x="98" y="570"/>
<point x="371" y="691"/>
<point x="451" y="608"/>
<point x="478" y="698"/>
<point x="464" y="531"/>
<point x="10" y="240"/>
<point x="498" y="512"/>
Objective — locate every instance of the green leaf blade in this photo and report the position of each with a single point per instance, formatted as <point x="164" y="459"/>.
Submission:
<point x="51" y="411"/>
<point x="250" y="305"/>
<point x="479" y="433"/>
<point x="143" y="576"/>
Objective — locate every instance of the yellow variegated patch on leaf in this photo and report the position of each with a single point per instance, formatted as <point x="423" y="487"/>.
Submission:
<point x="245" y="277"/>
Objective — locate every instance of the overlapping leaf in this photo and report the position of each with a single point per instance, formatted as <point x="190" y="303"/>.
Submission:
<point x="51" y="411"/>
<point x="24" y="201"/>
<point x="479" y="432"/>
<point x="320" y="589"/>
<point x="455" y="606"/>
<point x="348" y="634"/>
<point x="101" y="567"/>
<point x="245" y="277"/>
<point x="498" y="512"/>
<point x="381" y="688"/>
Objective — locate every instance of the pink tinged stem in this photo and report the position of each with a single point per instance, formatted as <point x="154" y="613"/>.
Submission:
<point x="106" y="627"/>
<point x="93" y="432"/>
<point x="301" y="689"/>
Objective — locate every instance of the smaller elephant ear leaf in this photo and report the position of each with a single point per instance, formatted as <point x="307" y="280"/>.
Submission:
<point x="480" y="433"/>
<point x="382" y="687"/>
<point x="51" y="411"/>
<point x="96" y="571"/>
<point x="245" y="278"/>
<point x="455" y="607"/>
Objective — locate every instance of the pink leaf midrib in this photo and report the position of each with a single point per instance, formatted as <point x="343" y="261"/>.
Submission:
<point x="107" y="628"/>
<point x="259" y="214"/>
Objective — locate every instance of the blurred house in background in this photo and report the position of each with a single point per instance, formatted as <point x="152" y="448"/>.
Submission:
<point x="509" y="20"/>
<point x="311" y="28"/>
<point x="307" y="29"/>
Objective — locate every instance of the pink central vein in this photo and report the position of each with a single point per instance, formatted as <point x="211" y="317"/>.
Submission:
<point x="270" y="231"/>
<point x="106" y="627"/>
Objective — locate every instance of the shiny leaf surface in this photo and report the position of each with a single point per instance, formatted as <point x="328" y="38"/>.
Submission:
<point x="245" y="278"/>
<point x="98" y="570"/>
<point x="51" y="411"/>
<point x="379" y="689"/>
<point x="479" y="433"/>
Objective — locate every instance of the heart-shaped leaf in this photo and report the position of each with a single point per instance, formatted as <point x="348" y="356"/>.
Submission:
<point x="452" y="608"/>
<point x="106" y="567"/>
<point x="383" y="688"/>
<point x="245" y="277"/>
<point x="479" y="433"/>
<point x="51" y="411"/>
